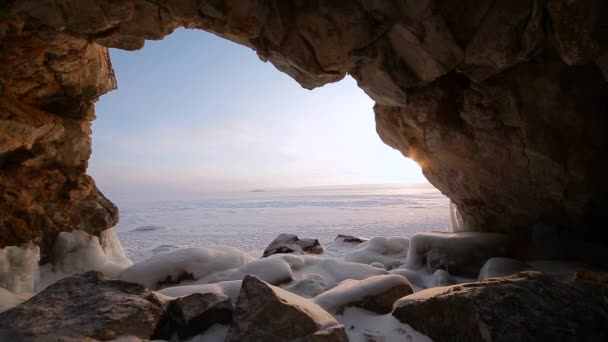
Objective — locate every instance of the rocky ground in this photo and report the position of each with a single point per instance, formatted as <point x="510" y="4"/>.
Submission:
<point x="428" y="290"/>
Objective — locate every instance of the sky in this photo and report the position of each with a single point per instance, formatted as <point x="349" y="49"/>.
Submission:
<point x="195" y="112"/>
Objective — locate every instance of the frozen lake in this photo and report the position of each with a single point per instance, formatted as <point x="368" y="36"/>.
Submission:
<point x="250" y="220"/>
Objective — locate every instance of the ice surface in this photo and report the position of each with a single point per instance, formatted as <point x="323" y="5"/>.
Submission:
<point x="350" y="291"/>
<point x="249" y="221"/>
<point x="198" y="262"/>
<point x="388" y="251"/>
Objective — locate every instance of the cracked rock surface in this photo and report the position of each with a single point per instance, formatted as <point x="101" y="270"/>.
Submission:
<point x="502" y="103"/>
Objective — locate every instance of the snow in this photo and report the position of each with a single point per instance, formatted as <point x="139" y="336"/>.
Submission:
<point x="19" y="268"/>
<point x="216" y="333"/>
<point x="198" y="262"/>
<point x="351" y="291"/>
<point x="19" y="273"/>
<point x="452" y="244"/>
<point x="228" y="288"/>
<point x="274" y="270"/>
<point x="388" y="251"/>
<point x="498" y="267"/>
<point x="364" y="326"/>
<point x="78" y="251"/>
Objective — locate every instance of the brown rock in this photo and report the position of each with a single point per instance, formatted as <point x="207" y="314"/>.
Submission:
<point x="85" y="306"/>
<point x="267" y="313"/>
<point x="290" y="243"/>
<point x="193" y="314"/>
<point x="528" y="306"/>
<point x="502" y="103"/>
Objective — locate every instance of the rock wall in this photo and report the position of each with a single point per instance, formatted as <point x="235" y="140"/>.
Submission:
<point x="502" y="102"/>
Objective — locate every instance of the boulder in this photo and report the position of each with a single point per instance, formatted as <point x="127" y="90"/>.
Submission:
<point x="460" y="254"/>
<point x="267" y="313"/>
<point x="376" y="294"/>
<point x="350" y="239"/>
<point x="528" y="306"/>
<point x="194" y="314"/>
<point x="389" y="252"/>
<point x="82" y="307"/>
<point x="290" y="243"/>
<point x="500" y="267"/>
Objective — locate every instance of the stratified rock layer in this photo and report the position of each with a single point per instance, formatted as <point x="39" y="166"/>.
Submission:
<point x="528" y="306"/>
<point x="502" y="103"/>
<point x="84" y="306"/>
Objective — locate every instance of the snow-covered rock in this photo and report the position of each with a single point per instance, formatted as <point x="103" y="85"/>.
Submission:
<point x="275" y="270"/>
<point x="82" y="307"/>
<point x="349" y="239"/>
<point x="290" y="243"/>
<point x="376" y="294"/>
<point x="499" y="267"/>
<point x="528" y="306"/>
<point x="443" y="278"/>
<point x="267" y="313"/>
<point x="228" y="288"/>
<point x="461" y="254"/>
<point x="182" y="264"/>
<point x="194" y="314"/>
<point x="388" y="251"/>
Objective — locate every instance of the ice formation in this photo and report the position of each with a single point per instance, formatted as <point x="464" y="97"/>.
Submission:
<point x="78" y="251"/>
<point x="194" y="263"/>
<point x="388" y="251"/>
<point x="19" y="274"/>
<point x="350" y="291"/>
<point x="228" y="288"/>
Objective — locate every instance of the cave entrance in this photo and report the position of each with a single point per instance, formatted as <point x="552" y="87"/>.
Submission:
<point x="203" y="144"/>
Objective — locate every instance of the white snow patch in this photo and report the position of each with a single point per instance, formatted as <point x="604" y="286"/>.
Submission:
<point x="351" y="291"/>
<point x="304" y="275"/>
<point x="78" y="251"/>
<point x="388" y="251"/>
<point x="228" y="288"/>
<point x="364" y="326"/>
<point x="196" y="261"/>
<point x="452" y="244"/>
<point x="274" y="270"/>
<point x="215" y="333"/>
<point x="19" y="274"/>
<point x="19" y="268"/>
<point x="498" y="267"/>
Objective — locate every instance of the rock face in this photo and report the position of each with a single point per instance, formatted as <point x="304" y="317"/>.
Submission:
<point x="84" y="306"/>
<point x="502" y="103"/>
<point x="523" y="307"/>
<point x="193" y="314"/>
<point x="290" y="243"/>
<point x="267" y="313"/>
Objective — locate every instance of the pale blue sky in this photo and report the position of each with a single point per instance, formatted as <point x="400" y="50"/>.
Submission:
<point x="195" y="112"/>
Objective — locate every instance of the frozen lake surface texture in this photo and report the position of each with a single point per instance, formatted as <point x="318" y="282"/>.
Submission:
<point x="251" y="220"/>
